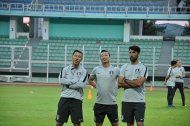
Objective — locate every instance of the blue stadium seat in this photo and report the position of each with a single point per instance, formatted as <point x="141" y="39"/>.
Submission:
<point x="17" y="1"/>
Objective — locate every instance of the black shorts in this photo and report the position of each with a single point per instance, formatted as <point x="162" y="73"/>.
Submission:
<point x="101" y="110"/>
<point x="131" y="110"/>
<point x="69" y="106"/>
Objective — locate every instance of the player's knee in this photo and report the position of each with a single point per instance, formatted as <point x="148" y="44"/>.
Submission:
<point x="76" y="124"/>
<point x="59" y="124"/>
<point x="115" y="124"/>
<point x="99" y="124"/>
<point x="140" y="123"/>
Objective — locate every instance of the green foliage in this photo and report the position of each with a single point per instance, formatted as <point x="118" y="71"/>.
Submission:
<point x="37" y="106"/>
<point x="186" y="29"/>
<point x="25" y="27"/>
<point x="149" y="28"/>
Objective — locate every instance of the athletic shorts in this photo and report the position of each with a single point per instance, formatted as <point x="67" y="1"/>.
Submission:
<point x="131" y="110"/>
<point x="101" y="110"/>
<point x="69" y="106"/>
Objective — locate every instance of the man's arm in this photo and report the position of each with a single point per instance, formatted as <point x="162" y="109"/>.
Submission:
<point x="63" y="79"/>
<point x="81" y="82"/>
<point x="135" y="83"/>
<point x="91" y="81"/>
<point x="183" y="72"/>
<point x="122" y="84"/>
<point x="166" y="79"/>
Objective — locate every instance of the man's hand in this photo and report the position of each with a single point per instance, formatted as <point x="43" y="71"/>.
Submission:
<point x="164" y="82"/>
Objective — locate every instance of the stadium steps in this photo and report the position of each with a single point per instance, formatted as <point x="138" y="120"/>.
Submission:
<point x="165" y="57"/>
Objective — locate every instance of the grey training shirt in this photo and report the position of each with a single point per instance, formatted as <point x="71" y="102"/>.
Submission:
<point x="73" y="80"/>
<point x="106" y="84"/>
<point x="132" y="72"/>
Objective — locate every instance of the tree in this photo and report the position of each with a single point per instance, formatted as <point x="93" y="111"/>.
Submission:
<point x="149" y="28"/>
<point x="25" y="27"/>
<point x="186" y="29"/>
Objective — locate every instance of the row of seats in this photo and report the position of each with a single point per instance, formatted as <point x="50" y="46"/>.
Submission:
<point x="7" y="41"/>
<point x="5" y="57"/>
<point x="91" y="52"/>
<point x="96" y="2"/>
<point x="122" y="9"/>
<point x="182" y="51"/>
<point x="17" y="1"/>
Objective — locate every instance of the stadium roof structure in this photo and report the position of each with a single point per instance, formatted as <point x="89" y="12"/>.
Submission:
<point x="94" y="11"/>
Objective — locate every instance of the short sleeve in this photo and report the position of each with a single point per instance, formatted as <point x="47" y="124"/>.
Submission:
<point x="122" y="70"/>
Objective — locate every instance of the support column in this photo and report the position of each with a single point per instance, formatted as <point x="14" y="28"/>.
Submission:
<point x="127" y="30"/>
<point x="141" y="27"/>
<point x="40" y="24"/>
<point x="45" y="30"/>
<point x="35" y="28"/>
<point x="31" y="31"/>
<point x="13" y="28"/>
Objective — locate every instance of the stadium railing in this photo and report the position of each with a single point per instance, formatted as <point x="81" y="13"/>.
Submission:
<point x="13" y="60"/>
<point x="90" y="9"/>
<point x="50" y="58"/>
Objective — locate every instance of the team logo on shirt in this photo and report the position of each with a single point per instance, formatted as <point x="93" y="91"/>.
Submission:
<point x="137" y="71"/>
<point x="111" y="72"/>
<point x="79" y="73"/>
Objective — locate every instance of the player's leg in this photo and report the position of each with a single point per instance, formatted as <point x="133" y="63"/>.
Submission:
<point x="140" y="113"/>
<point x="62" y="112"/>
<point x="76" y="124"/>
<point x="181" y="89"/>
<point x="99" y="114"/>
<point x="59" y="124"/>
<point x="127" y="113"/>
<point x="112" y="113"/>
<point x="99" y="124"/>
<point x="76" y="112"/>
<point x="175" y="88"/>
<point x="170" y="96"/>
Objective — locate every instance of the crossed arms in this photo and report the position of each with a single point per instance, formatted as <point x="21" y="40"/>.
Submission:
<point x="124" y="83"/>
<point x="74" y="83"/>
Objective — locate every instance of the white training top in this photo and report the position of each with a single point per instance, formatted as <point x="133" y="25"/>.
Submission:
<point x="172" y="77"/>
<point x="179" y="71"/>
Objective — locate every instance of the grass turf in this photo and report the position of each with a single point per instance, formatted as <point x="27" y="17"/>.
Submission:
<point x="37" y="106"/>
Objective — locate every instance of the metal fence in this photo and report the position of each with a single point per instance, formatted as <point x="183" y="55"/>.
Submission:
<point x="85" y="9"/>
<point x="20" y="60"/>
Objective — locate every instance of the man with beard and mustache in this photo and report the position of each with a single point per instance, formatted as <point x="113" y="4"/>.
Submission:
<point x="72" y="78"/>
<point x="132" y="78"/>
<point x="105" y="77"/>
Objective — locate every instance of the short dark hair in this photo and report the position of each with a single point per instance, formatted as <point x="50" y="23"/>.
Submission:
<point x="135" y="48"/>
<point x="178" y="60"/>
<point x="173" y="62"/>
<point x="77" y="51"/>
<point x="105" y="51"/>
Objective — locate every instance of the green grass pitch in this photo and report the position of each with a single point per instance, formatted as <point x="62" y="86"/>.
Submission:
<point x="37" y="106"/>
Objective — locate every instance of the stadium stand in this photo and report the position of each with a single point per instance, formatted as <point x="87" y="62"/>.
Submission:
<point x="91" y="51"/>
<point x="15" y="58"/>
<point x="111" y="2"/>
<point x="60" y="25"/>
<point x="16" y="1"/>
<point x="182" y="51"/>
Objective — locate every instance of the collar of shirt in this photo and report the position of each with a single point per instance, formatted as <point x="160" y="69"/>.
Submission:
<point x="72" y="68"/>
